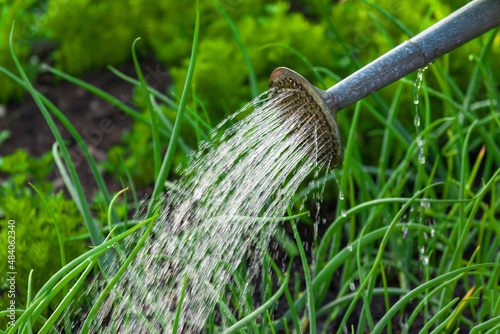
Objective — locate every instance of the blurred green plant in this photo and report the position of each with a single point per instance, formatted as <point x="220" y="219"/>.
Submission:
<point x="36" y="237"/>
<point x="399" y="230"/>
<point x="23" y="13"/>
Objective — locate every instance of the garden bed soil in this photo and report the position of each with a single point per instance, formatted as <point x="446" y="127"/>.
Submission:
<point x="100" y="124"/>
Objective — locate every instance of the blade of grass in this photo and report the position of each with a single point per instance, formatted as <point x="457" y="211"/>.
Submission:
<point x="270" y="322"/>
<point x="68" y="298"/>
<point x="325" y="275"/>
<point x="65" y="176"/>
<point x="349" y="146"/>
<point x="378" y="258"/>
<point x="169" y="155"/>
<point x="97" y="175"/>
<point x="196" y="122"/>
<point x="386" y="295"/>
<point x="130" y="182"/>
<point x="28" y="299"/>
<point x="489" y="323"/>
<point x="152" y="114"/>
<point x="387" y="140"/>
<point x="4" y="134"/>
<point x="307" y="275"/>
<point x="301" y="57"/>
<point x="104" y="229"/>
<point x="339" y="301"/>
<point x="110" y="286"/>
<point x="169" y="102"/>
<point x="439" y="314"/>
<point x="179" y="306"/>
<point x="103" y="247"/>
<point x="102" y="94"/>
<point x="85" y="211"/>
<point x="254" y="88"/>
<point x="51" y="213"/>
<point x="449" y="277"/>
<point x="391" y="17"/>
<point x="39" y="304"/>
<point x="245" y="321"/>
<point x="347" y="49"/>
<point x="110" y="221"/>
<point x="166" y="122"/>
<point x="61" y="250"/>
<point x="382" y="29"/>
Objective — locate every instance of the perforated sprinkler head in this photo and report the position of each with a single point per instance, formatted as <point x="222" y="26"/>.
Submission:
<point x="310" y="104"/>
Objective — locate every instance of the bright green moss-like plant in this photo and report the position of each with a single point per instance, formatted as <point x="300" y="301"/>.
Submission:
<point x="221" y="75"/>
<point x="26" y="21"/>
<point x="36" y="239"/>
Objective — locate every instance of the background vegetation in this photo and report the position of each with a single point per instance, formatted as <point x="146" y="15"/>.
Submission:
<point x="392" y="243"/>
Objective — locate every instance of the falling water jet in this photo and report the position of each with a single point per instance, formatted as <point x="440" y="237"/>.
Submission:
<point x="206" y="229"/>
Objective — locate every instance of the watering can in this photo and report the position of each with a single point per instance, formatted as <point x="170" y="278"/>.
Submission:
<point x="470" y="21"/>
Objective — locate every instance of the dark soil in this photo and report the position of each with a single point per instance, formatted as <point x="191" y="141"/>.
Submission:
<point x="100" y="124"/>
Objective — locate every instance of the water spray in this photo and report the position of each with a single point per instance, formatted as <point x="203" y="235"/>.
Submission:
<point x="467" y="23"/>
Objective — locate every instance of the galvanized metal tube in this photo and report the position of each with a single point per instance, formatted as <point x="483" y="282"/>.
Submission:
<point x="467" y="23"/>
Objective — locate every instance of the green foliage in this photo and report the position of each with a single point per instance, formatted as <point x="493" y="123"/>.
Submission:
<point x="21" y="166"/>
<point x="221" y="76"/>
<point x="26" y="23"/>
<point x="36" y="238"/>
<point x="95" y="34"/>
<point x="360" y="30"/>
<point x="92" y="34"/>
<point x="400" y="234"/>
<point x="136" y="150"/>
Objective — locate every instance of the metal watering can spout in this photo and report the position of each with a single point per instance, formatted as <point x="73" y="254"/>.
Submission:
<point x="467" y="23"/>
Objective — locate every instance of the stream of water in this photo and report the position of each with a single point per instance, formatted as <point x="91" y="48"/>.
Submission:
<point x="416" y="88"/>
<point x="213" y="215"/>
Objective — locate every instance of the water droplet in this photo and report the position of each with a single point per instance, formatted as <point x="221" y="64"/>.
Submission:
<point x="422" y="250"/>
<point x="352" y="286"/>
<point x="416" y="120"/>
<point x="341" y="195"/>
<point x="421" y="159"/>
<point x="349" y="247"/>
<point x="425" y="260"/>
<point x="405" y="232"/>
<point x="344" y="213"/>
<point x="433" y="233"/>
<point x="426" y="236"/>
